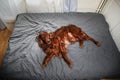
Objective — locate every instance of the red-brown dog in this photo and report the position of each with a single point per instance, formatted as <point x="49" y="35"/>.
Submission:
<point x="55" y="43"/>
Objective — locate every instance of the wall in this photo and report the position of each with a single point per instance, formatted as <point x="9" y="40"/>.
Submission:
<point x="4" y="9"/>
<point x="88" y="5"/>
<point x="37" y="6"/>
<point x="59" y="5"/>
<point x="111" y="11"/>
<point x="10" y="8"/>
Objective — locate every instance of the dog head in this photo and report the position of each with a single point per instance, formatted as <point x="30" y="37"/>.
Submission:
<point x="44" y="36"/>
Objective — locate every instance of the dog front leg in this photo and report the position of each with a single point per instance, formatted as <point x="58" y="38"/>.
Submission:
<point x="80" y="43"/>
<point x="47" y="59"/>
<point x="63" y="50"/>
<point x="67" y="60"/>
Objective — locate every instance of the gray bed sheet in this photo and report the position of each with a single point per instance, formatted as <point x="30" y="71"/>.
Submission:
<point x="24" y="57"/>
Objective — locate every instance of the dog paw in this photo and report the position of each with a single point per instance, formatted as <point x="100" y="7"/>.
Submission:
<point x="98" y="44"/>
<point x="59" y="55"/>
<point x="81" y="46"/>
<point x="43" y="66"/>
<point x="70" y="65"/>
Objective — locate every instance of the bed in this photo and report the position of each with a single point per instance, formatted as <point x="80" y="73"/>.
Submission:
<point x="24" y="57"/>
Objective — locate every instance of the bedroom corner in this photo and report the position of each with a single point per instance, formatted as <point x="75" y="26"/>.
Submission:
<point x="86" y="33"/>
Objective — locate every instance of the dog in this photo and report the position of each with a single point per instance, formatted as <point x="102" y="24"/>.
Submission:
<point x="56" y="43"/>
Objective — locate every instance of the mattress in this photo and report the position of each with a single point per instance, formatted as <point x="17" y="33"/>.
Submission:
<point x="24" y="57"/>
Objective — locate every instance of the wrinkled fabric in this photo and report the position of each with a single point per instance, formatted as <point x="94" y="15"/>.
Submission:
<point x="24" y="57"/>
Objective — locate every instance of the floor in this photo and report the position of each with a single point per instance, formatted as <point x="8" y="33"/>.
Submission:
<point x="4" y="37"/>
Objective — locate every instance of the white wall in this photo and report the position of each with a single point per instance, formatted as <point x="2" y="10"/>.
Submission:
<point x="57" y="5"/>
<point x="4" y="9"/>
<point x="10" y="8"/>
<point x="88" y="5"/>
<point x="39" y="6"/>
<point x="111" y="11"/>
